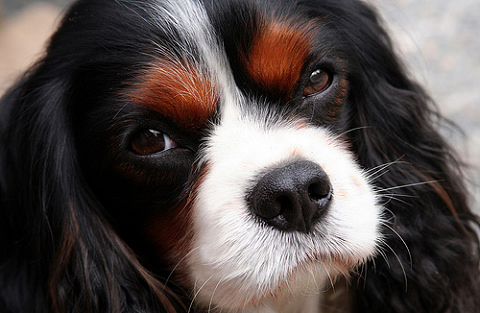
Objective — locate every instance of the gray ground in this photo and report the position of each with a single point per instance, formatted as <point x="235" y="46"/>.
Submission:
<point x="438" y="39"/>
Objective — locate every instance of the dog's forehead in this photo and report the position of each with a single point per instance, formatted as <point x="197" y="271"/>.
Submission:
<point x="206" y="48"/>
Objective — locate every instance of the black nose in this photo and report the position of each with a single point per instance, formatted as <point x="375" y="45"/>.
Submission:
<point x="293" y="197"/>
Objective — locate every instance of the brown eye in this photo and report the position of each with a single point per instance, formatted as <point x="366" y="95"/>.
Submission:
<point x="318" y="81"/>
<point x="150" y="141"/>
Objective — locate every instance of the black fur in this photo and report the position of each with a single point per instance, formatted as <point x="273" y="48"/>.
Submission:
<point x="67" y="238"/>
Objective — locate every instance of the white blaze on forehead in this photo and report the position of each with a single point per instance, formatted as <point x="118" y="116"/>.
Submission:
<point x="196" y="41"/>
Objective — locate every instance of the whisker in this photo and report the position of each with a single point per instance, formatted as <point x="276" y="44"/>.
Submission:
<point x="178" y="264"/>
<point x="385" y="244"/>
<point x="213" y="294"/>
<point x="398" y="195"/>
<point x="392" y="197"/>
<point x="410" y="185"/>
<point x="350" y="130"/>
<point x="381" y="167"/>
<point x="403" y="242"/>
<point x="192" y="302"/>
<point x="401" y="265"/>
<point x="375" y="176"/>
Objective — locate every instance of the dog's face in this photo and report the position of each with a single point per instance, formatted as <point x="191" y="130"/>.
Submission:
<point x="228" y="156"/>
<point x="222" y="144"/>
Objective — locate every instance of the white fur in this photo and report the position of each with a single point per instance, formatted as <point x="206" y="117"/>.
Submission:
<point x="190" y="21"/>
<point x="238" y="263"/>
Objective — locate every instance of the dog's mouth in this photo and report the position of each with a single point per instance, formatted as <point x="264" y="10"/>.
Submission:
<point x="267" y="280"/>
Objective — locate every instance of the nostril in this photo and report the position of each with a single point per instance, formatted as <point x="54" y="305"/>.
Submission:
<point x="319" y="191"/>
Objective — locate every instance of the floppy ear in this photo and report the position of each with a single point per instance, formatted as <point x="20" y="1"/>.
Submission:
<point x="58" y="254"/>
<point x="429" y="262"/>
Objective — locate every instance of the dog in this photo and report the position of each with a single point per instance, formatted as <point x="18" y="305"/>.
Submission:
<point x="229" y="156"/>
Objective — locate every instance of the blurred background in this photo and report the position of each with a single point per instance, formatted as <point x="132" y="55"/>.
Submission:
<point x="438" y="39"/>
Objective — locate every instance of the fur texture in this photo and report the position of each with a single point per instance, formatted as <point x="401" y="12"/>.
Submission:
<point x="229" y="156"/>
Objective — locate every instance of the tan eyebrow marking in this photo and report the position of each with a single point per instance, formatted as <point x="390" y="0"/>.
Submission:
<point x="277" y="55"/>
<point x="180" y="92"/>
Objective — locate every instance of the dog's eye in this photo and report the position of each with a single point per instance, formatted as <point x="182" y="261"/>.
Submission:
<point x="150" y="141"/>
<point x="318" y="81"/>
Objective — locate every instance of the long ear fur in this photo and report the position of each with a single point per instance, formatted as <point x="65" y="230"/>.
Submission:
<point x="58" y="254"/>
<point x="430" y="260"/>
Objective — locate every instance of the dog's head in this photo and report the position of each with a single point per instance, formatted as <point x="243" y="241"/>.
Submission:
<point x="231" y="144"/>
<point x="227" y="148"/>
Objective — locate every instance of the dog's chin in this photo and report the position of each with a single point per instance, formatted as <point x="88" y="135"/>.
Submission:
<point x="236" y="289"/>
<point x="239" y="293"/>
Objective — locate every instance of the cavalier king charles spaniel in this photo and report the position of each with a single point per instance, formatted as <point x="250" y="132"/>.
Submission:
<point x="229" y="156"/>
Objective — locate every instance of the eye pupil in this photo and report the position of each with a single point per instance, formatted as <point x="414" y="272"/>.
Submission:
<point x="148" y="142"/>
<point x="318" y="81"/>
